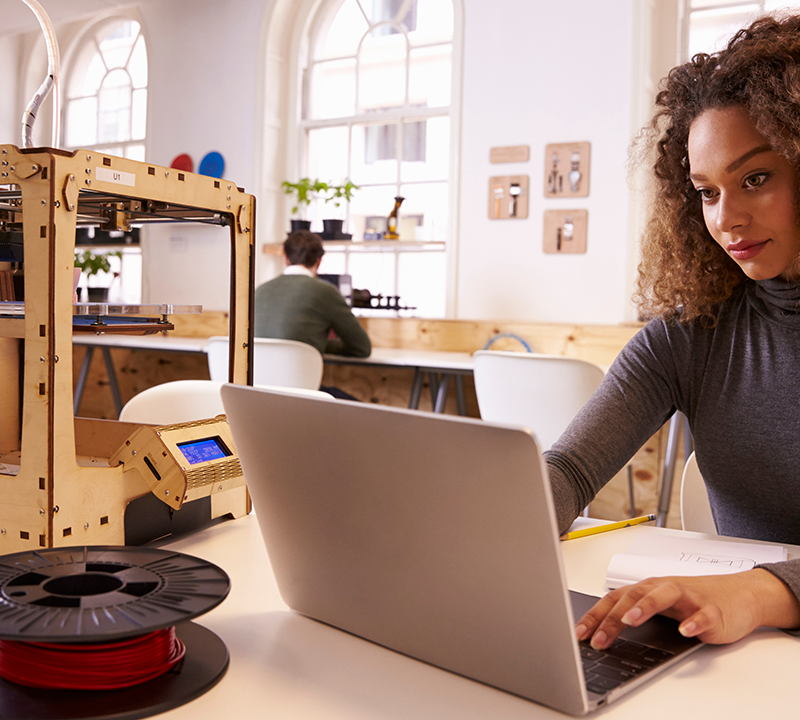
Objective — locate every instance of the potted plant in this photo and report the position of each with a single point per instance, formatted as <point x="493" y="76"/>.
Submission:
<point x="332" y="227"/>
<point x="91" y="264"/>
<point x="305" y="190"/>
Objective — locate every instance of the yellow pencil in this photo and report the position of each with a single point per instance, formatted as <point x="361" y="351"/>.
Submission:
<point x="605" y="528"/>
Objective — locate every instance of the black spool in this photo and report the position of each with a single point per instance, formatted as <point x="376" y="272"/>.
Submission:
<point x="100" y="594"/>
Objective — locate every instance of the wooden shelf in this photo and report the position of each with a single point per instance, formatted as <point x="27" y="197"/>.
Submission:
<point x="390" y="245"/>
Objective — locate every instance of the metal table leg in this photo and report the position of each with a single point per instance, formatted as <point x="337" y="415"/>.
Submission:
<point x="441" y="394"/>
<point x="112" y="379"/>
<point x="84" y="373"/>
<point x="461" y="402"/>
<point x="416" y="389"/>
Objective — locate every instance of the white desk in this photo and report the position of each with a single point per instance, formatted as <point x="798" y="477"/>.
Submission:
<point x="440" y="366"/>
<point x="290" y="667"/>
<point x="159" y="341"/>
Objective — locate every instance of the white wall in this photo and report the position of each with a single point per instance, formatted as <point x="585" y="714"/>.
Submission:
<point x="533" y="73"/>
<point x="539" y="73"/>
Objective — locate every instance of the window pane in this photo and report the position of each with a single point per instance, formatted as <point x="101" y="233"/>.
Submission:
<point x="386" y="11"/>
<point x="115" y="107"/>
<point x="135" y="152"/>
<point x="710" y="30"/>
<point x="369" y="208"/>
<point x="327" y="153"/>
<point x="382" y="73"/>
<point x="334" y="84"/>
<point x="374" y="156"/>
<point x="115" y="45"/>
<point x="81" y="123"/>
<point x="137" y="66"/>
<point x="343" y="33"/>
<point x="88" y="73"/>
<point x="421" y="283"/>
<point x="426" y="150"/>
<point x="424" y="213"/>
<point x="429" y="76"/>
<point x="373" y="271"/>
<point x="139" y="114"/>
<point x="435" y="22"/>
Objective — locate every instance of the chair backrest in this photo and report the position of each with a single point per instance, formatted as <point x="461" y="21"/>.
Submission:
<point x="695" y="508"/>
<point x="188" y="400"/>
<point x="278" y="363"/>
<point x="175" y="402"/>
<point x="542" y="392"/>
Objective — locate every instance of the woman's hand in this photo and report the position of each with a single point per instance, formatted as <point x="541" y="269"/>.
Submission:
<point x="715" y="609"/>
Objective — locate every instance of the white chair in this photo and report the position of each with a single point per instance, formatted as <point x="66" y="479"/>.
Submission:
<point x="542" y="392"/>
<point x="187" y="400"/>
<point x="277" y="363"/>
<point x="695" y="507"/>
<point x="175" y="402"/>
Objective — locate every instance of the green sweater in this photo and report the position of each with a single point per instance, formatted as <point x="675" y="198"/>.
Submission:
<point x="298" y="307"/>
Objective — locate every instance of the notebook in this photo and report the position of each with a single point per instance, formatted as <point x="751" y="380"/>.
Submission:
<point x="431" y="535"/>
<point x="664" y="555"/>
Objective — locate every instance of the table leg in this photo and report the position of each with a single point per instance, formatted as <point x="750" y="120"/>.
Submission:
<point x="441" y="394"/>
<point x="461" y="401"/>
<point x="433" y="382"/>
<point x="416" y="389"/>
<point x="84" y="373"/>
<point x="112" y="379"/>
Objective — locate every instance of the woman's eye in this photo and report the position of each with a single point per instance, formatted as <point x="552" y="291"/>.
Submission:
<point x="705" y="194"/>
<point x="755" y="181"/>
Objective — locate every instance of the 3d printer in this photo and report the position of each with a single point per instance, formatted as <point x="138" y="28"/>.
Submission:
<point x="57" y="483"/>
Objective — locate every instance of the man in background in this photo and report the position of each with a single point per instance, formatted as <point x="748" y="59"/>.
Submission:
<point x="299" y="306"/>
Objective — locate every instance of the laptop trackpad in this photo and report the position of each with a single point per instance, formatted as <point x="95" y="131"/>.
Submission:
<point x="659" y="632"/>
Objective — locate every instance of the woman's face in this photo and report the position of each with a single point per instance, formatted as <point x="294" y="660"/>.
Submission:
<point x="747" y="191"/>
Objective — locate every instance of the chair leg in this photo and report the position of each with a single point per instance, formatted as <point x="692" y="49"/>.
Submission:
<point x="631" y="494"/>
<point x="667" y="481"/>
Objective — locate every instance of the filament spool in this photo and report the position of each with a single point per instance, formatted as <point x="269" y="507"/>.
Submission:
<point x="98" y="595"/>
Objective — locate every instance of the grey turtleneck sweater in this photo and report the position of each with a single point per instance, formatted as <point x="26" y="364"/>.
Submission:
<point x="738" y="385"/>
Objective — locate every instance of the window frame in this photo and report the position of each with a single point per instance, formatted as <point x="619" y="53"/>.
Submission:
<point x="87" y="36"/>
<point x="313" y="30"/>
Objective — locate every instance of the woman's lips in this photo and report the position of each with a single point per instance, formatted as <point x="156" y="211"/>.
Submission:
<point x="746" y="249"/>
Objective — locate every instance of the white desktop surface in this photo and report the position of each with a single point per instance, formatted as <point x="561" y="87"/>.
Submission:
<point x="287" y="666"/>
<point x="156" y="341"/>
<point x="404" y="357"/>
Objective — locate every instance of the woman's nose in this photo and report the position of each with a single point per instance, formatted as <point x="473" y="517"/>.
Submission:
<point x="730" y="214"/>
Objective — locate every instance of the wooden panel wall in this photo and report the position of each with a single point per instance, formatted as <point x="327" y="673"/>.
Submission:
<point x="137" y="370"/>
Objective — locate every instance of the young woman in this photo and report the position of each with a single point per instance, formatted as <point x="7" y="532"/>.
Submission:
<point x="720" y="277"/>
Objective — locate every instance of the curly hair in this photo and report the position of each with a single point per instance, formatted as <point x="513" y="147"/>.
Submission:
<point x="683" y="272"/>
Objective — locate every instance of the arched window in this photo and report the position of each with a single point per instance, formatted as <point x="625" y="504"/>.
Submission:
<point x="711" y="23"/>
<point x="106" y="91"/>
<point x="376" y="108"/>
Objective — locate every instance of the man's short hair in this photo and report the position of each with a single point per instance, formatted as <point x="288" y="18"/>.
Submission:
<point x="303" y="248"/>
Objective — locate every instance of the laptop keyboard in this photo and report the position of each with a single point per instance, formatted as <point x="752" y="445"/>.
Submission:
<point x="607" y="669"/>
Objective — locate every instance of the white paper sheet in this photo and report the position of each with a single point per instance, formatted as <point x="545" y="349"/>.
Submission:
<point x="659" y="555"/>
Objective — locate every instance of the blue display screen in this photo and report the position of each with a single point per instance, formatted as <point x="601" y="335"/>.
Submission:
<point x="197" y="451"/>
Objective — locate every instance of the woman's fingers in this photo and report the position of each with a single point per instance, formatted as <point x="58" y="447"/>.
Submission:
<point x="717" y="609"/>
<point x="632" y="605"/>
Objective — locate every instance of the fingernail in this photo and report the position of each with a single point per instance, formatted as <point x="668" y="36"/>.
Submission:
<point x="688" y="629"/>
<point x="599" y="640"/>
<point x="632" y="616"/>
<point x="582" y="632"/>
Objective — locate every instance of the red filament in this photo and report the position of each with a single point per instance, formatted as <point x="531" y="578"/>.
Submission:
<point x="110" y="666"/>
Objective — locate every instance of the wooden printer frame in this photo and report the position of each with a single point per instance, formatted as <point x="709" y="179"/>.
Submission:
<point x="65" y="492"/>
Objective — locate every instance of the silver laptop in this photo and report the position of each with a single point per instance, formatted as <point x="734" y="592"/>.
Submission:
<point x="432" y="535"/>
